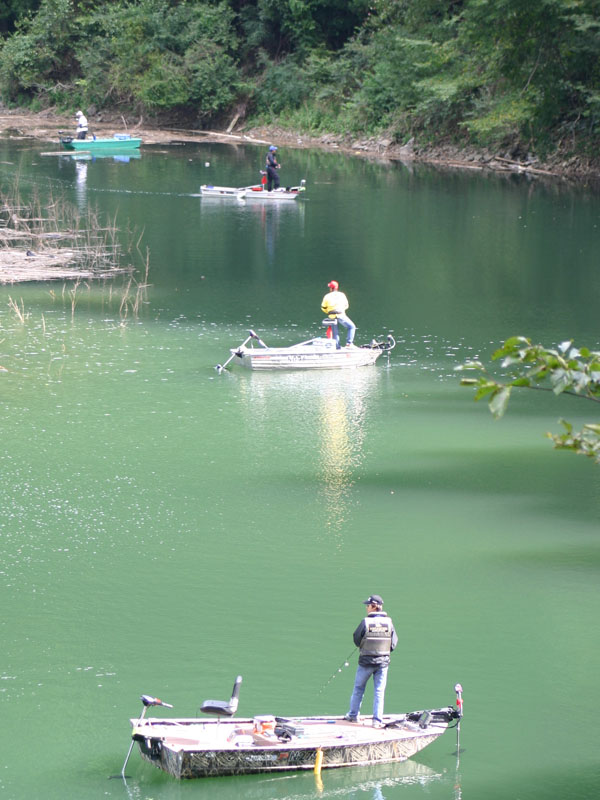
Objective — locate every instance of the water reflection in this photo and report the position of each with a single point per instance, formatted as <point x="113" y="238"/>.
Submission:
<point x="339" y="401"/>
<point x="269" y="214"/>
<point x="81" y="161"/>
<point x="377" y="782"/>
<point x="81" y="184"/>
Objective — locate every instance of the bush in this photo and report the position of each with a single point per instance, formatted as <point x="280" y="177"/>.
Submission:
<point x="39" y="55"/>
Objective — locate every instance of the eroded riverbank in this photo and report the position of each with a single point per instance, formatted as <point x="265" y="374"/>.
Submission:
<point x="46" y="126"/>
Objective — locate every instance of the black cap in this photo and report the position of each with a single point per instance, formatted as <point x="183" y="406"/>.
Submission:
<point x="374" y="600"/>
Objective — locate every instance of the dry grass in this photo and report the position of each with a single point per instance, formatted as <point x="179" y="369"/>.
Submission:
<point x="52" y="241"/>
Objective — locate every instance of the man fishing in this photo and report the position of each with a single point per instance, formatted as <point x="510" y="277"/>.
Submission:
<point x="82" y="125"/>
<point x="272" y="166"/>
<point x="335" y="304"/>
<point x="376" y="638"/>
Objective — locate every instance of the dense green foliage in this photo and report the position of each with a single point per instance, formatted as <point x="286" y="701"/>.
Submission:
<point x="562" y="370"/>
<point x="522" y="74"/>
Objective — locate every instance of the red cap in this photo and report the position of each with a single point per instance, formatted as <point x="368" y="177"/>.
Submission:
<point x="333" y="285"/>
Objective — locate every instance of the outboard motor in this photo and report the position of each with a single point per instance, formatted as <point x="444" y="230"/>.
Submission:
<point x="224" y="708"/>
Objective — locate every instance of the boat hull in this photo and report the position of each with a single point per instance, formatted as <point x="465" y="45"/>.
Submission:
<point x="177" y="746"/>
<point x="222" y="191"/>
<point x="257" y="192"/>
<point x="274" y="195"/>
<point x="116" y="144"/>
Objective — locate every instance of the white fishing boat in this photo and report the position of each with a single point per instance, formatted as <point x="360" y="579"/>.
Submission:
<point x="256" y="192"/>
<point x="283" y="193"/>
<point x="318" y="353"/>
<point x="199" y="747"/>
<point x="208" y="190"/>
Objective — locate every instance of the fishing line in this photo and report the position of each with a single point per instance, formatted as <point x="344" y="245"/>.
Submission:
<point x="338" y="670"/>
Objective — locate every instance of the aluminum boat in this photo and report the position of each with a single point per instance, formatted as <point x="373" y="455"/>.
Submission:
<point x="318" y="353"/>
<point x="256" y="192"/>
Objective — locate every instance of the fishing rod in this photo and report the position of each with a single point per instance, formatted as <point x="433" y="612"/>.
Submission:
<point x="346" y="663"/>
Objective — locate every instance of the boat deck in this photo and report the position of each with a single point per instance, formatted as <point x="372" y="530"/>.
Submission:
<point x="195" y="734"/>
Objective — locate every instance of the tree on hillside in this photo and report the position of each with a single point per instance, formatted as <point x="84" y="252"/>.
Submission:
<point x="11" y="11"/>
<point x="280" y="27"/>
<point x="563" y="370"/>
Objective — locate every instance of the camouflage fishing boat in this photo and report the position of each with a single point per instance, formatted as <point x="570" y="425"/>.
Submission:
<point x="201" y="748"/>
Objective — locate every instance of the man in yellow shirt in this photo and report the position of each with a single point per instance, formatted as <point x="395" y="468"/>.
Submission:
<point x="335" y="305"/>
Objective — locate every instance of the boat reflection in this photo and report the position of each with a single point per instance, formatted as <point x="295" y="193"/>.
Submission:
<point x="328" y="414"/>
<point x="81" y="185"/>
<point x="377" y="782"/>
<point x="119" y="157"/>
<point x="82" y="161"/>
<point x="270" y="215"/>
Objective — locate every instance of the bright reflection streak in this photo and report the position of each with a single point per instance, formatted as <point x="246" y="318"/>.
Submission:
<point x="329" y="413"/>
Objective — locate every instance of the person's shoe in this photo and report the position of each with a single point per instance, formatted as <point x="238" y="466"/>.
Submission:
<point x="348" y="718"/>
<point x="349" y="344"/>
<point x="378" y="724"/>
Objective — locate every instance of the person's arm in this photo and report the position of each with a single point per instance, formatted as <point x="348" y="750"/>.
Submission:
<point x="359" y="633"/>
<point x="394" y="638"/>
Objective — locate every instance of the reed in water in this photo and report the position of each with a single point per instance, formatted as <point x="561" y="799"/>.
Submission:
<point x="51" y="240"/>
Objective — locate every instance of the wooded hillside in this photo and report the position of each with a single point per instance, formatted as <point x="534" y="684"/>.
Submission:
<point x="519" y="74"/>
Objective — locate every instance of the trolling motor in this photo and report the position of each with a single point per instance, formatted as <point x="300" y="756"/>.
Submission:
<point x="385" y="347"/>
<point x="251" y="335"/>
<point x="147" y="701"/>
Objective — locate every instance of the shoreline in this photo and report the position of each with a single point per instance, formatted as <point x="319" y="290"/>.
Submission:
<point x="46" y="125"/>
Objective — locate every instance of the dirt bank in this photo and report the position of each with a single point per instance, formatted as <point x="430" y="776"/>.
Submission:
<point x="45" y="126"/>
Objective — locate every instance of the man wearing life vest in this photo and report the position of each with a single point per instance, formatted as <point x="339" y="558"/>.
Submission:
<point x="376" y="638"/>
<point x="335" y="304"/>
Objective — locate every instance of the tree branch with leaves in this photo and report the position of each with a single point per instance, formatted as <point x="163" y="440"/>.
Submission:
<point x="565" y="369"/>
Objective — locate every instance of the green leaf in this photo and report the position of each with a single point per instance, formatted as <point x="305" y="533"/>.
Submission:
<point x="485" y="388"/>
<point x="560" y="381"/>
<point x="521" y="382"/>
<point x="499" y="402"/>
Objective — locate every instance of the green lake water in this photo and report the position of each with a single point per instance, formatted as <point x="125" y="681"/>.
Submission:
<point x="165" y="527"/>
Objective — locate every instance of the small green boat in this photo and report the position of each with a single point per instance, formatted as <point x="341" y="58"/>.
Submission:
<point x="119" y="143"/>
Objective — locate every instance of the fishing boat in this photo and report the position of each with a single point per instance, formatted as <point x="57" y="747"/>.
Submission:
<point x="257" y="191"/>
<point x="208" y="190"/>
<point x="317" y="353"/>
<point x="199" y="747"/>
<point x="120" y="142"/>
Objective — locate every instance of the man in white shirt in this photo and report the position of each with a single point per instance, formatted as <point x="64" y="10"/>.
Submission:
<point x="82" y="125"/>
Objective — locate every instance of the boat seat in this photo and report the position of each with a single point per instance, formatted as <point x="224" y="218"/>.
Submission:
<point x="224" y="708"/>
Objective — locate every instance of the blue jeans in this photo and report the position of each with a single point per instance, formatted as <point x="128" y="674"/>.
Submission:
<point x="350" y="329"/>
<point x="363" y="674"/>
